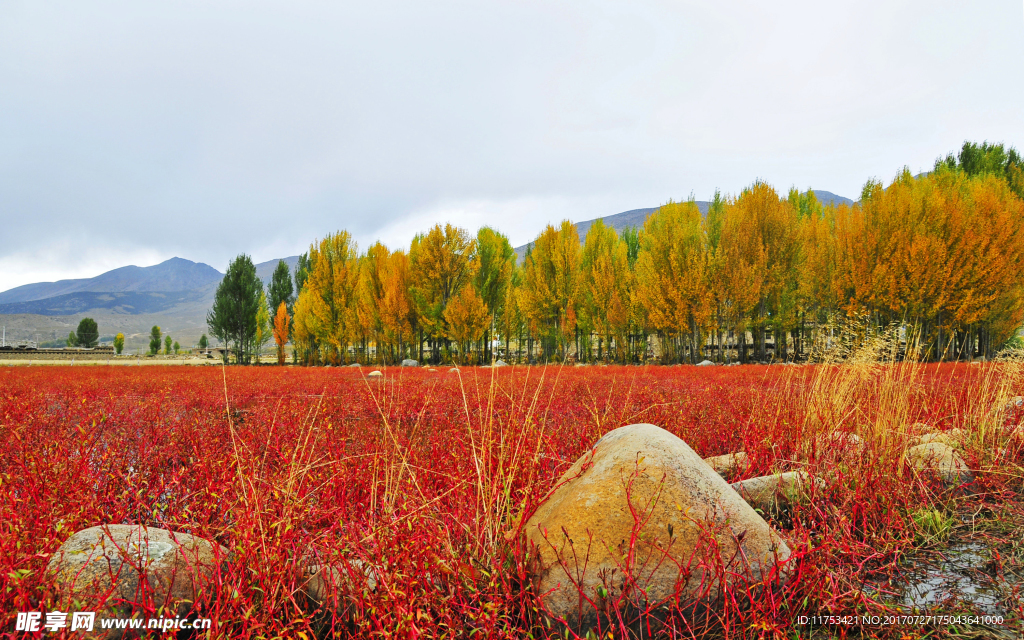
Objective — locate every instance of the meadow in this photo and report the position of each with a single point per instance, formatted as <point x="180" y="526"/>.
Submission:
<point x="416" y="485"/>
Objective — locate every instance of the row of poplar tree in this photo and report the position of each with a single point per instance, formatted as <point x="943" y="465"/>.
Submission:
<point x="941" y="253"/>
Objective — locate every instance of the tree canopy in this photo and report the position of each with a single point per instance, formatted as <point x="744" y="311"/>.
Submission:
<point x="233" y="316"/>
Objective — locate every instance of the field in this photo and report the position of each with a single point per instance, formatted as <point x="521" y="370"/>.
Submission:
<point x="417" y="483"/>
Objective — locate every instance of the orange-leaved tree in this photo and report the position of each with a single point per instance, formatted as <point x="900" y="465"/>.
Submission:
<point x="281" y="325"/>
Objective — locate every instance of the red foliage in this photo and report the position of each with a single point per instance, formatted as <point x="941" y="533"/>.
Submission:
<point x="420" y="475"/>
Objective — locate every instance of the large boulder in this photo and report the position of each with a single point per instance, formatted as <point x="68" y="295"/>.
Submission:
<point x="375" y="374"/>
<point x="942" y="460"/>
<point x="585" y="537"/>
<point x="408" y="362"/>
<point x="118" y="570"/>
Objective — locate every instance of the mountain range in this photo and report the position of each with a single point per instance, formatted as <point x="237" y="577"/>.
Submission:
<point x="175" y="294"/>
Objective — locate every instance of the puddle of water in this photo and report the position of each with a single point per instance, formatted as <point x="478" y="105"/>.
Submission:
<point x="956" y="576"/>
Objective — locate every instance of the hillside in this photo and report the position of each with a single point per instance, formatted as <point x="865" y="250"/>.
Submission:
<point x="176" y="274"/>
<point x="175" y="294"/>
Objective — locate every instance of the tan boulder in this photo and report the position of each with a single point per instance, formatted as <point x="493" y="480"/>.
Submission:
<point x="730" y="464"/>
<point x="585" y="537"/>
<point x="941" y="459"/>
<point x="375" y="374"/>
<point x="116" y="570"/>
<point x="767" y="493"/>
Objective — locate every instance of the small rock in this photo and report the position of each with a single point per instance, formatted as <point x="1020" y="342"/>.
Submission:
<point x="501" y="363"/>
<point x="354" y="364"/>
<point x="840" y="441"/>
<point x="322" y="583"/>
<point x="94" y="562"/>
<point x="375" y="374"/>
<point x="953" y="438"/>
<point x="432" y="370"/>
<point x="579" y="534"/>
<point x="730" y="464"/>
<point x="453" y="370"/>
<point x="941" y="459"/>
<point x="705" y="363"/>
<point x="408" y="362"/>
<point x="768" y="492"/>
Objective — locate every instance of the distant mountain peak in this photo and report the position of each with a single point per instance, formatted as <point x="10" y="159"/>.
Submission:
<point x="175" y="274"/>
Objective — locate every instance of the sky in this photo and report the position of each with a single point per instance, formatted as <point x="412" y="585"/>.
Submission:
<point x="131" y="132"/>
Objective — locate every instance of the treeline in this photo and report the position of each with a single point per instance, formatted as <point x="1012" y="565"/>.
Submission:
<point x="753" y="279"/>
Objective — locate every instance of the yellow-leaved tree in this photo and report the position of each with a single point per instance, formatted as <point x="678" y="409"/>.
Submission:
<point x="326" y="318"/>
<point x="550" y="293"/>
<point x="467" y="318"/>
<point x="673" y="282"/>
<point x="607" y="282"/>
<point x="441" y="264"/>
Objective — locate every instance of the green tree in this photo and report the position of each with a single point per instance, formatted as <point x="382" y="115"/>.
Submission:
<point x="263" y="328"/>
<point x="87" y="334"/>
<point x="72" y="339"/>
<point x="496" y="260"/>
<point x="302" y="269"/>
<point x="281" y="289"/>
<point x="203" y="341"/>
<point x="119" y="343"/>
<point x="167" y="345"/>
<point x="233" y="316"/>
<point x="980" y="159"/>
<point x="177" y="347"/>
<point x="154" y="340"/>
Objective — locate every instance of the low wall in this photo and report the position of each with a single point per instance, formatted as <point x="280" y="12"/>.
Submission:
<point x="57" y="355"/>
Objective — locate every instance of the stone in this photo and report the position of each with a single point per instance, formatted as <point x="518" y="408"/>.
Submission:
<point x="941" y="459"/>
<point x="375" y="374"/>
<point x="584" y="528"/>
<point x="953" y="438"/>
<point x="432" y="370"/>
<point x="729" y="464"/>
<point x="175" y="569"/>
<point x="501" y="363"/>
<point x="408" y="362"/>
<point x="327" y="585"/>
<point x="705" y="363"/>
<point x="354" y="364"/>
<point x="453" y="370"/>
<point x="842" y="441"/>
<point x="768" y="493"/>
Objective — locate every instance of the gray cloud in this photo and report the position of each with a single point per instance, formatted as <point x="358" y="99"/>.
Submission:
<point x="203" y="129"/>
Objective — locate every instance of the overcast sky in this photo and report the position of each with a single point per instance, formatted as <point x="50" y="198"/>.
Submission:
<point x="131" y="132"/>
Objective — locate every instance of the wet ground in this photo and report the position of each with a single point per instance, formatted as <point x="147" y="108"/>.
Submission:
<point x="977" y="571"/>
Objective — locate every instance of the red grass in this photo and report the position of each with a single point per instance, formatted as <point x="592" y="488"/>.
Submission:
<point x="423" y="477"/>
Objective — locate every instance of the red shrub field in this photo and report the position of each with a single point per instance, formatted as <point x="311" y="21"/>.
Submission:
<point x="416" y="485"/>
